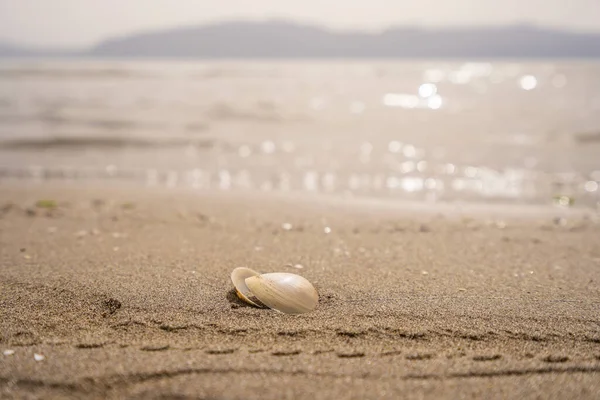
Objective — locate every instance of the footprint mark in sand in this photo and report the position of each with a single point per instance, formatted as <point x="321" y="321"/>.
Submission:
<point x="413" y="335"/>
<point x="280" y="353"/>
<point x="356" y="354"/>
<point x="555" y="359"/>
<point x="316" y="352"/>
<point x="350" y="334"/>
<point x="155" y="348"/>
<point x="492" y="357"/>
<point x="472" y="336"/>
<point x="89" y="345"/>
<point x="172" y="328"/>
<point x="419" y="356"/>
<point x="219" y="351"/>
<point x="234" y="332"/>
<point x="390" y="353"/>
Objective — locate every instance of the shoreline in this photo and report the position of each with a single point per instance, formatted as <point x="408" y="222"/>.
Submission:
<point x="349" y="202"/>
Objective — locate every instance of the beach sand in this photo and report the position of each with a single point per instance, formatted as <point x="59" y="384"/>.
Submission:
<point x="125" y="293"/>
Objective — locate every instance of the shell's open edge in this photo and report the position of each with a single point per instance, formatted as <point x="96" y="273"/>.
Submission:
<point x="251" y="299"/>
<point x="238" y="278"/>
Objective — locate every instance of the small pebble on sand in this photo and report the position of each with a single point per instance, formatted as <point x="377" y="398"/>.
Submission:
<point x="286" y="226"/>
<point x="560" y="221"/>
<point x="39" y="357"/>
<point x="424" y="228"/>
<point x="8" y="352"/>
<point x="500" y="224"/>
<point x="327" y="230"/>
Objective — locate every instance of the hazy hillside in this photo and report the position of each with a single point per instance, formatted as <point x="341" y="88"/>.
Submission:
<point x="280" y="39"/>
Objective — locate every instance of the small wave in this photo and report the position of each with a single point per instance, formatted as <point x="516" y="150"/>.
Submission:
<point x="229" y="73"/>
<point x="54" y="119"/>
<point x="102" y="143"/>
<point x="194" y="127"/>
<point x="224" y="112"/>
<point x="108" y="124"/>
<point x="67" y="73"/>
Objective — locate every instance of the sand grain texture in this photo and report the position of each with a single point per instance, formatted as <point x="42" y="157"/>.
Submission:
<point x="126" y="293"/>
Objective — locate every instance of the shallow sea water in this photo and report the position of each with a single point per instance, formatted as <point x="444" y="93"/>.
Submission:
<point x="500" y="132"/>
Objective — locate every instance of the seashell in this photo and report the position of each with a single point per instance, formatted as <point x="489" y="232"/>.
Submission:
<point x="238" y="277"/>
<point x="281" y="291"/>
<point x="284" y="292"/>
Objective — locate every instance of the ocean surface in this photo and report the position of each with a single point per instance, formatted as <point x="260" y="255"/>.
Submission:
<point x="500" y="132"/>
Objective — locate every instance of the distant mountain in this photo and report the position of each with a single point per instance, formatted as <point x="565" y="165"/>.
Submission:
<point x="281" y="39"/>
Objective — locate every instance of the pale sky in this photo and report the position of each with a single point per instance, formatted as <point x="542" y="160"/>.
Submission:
<point x="78" y="23"/>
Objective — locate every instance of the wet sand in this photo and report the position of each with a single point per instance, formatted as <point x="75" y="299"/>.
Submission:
<point x="125" y="293"/>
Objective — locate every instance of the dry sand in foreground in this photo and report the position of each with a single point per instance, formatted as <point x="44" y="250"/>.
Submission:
<point x="126" y="293"/>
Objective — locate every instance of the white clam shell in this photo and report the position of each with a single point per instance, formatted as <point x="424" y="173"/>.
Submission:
<point x="238" y="278"/>
<point x="284" y="292"/>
